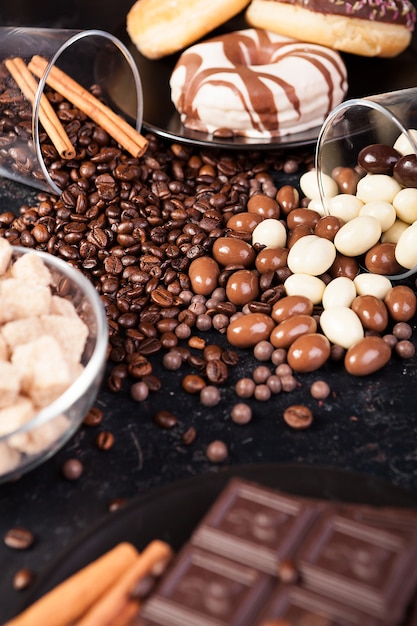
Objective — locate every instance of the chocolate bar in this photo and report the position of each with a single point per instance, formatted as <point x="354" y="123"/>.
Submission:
<point x="345" y="559"/>
<point x="207" y="590"/>
<point x="260" y="557"/>
<point x="258" y="527"/>
<point x="291" y="605"/>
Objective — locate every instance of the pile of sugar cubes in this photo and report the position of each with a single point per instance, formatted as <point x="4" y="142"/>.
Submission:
<point x="42" y="339"/>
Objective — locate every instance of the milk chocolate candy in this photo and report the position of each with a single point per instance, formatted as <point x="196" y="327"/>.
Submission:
<point x="203" y="589"/>
<point x="256" y="526"/>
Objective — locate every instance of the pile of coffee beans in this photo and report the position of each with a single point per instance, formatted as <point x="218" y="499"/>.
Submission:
<point x="173" y="243"/>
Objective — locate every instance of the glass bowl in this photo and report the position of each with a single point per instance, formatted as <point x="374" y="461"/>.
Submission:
<point x="383" y="127"/>
<point x="47" y="429"/>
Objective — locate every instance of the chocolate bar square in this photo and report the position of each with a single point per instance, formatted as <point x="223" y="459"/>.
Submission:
<point x="203" y="589"/>
<point x="256" y="526"/>
<point x="293" y="606"/>
<point x="351" y="561"/>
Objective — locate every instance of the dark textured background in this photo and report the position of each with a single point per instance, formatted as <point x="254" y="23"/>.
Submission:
<point x="367" y="425"/>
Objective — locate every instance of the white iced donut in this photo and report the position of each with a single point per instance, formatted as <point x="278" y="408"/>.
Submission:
<point x="257" y="84"/>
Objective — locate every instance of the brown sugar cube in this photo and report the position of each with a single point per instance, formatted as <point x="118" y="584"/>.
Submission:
<point x="40" y="438"/>
<point x="21" y="331"/>
<point x="9" y="458"/>
<point x="4" y="349"/>
<point x="31" y="269"/>
<point x="19" y="299"/>
<point x="71" y="334"/>
<point x="15" y="415"/>
<point x="9" y="383"/>
<point x="62" y="306"/>
<point x="44" y="371"/>
<point x="6" y="252"/>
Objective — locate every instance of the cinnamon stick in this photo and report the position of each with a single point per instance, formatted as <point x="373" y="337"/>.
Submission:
<point x="47" y="116"/>
<point x="68" y="601"/>
<point x="118" y="606"/>
<point x="112" y="123"/>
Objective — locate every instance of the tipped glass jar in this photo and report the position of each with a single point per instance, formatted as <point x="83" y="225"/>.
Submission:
<point x="366" y="168"/>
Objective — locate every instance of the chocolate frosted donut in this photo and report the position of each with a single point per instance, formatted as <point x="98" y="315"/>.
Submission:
<point x="365" y="27"/>
<point x="257" y="84"/>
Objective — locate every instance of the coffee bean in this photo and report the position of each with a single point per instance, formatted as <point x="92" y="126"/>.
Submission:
<point x="22" y="579"/>
<point x="192" y="383"/>
<point x="188" y="437"/>
<point x="19" y="538"/>
<point x="94" y="417"/>
<point x="287" y="572"/>
<point x="165" y="419"/>
<point x="117" y="504"/>
<point x="298" y="416"/>
<point x="105" y="440"/>
<point x="217" y="371"/>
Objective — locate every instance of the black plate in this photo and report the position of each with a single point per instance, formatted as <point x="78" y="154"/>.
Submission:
<point x="366" y="76"/>
<point x="171" y="512"/>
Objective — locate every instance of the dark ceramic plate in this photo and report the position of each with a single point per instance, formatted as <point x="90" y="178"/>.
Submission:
<point x="366" y="76"/>
<point x="171" y="512"/>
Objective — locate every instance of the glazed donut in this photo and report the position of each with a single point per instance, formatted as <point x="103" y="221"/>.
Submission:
<point x="162" y="27"/>
<point x="257" y="84"/>
<point x="365" y="27"/>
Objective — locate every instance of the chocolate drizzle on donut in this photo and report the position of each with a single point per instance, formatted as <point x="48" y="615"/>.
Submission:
<point x="388" y="11"/>
<point x="251" y="68"/>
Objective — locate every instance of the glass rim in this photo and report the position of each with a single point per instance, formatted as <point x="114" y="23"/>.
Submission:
<point x="366" y="103"/>
<point x="73" y="39"/>
<point x="98" y="356"/>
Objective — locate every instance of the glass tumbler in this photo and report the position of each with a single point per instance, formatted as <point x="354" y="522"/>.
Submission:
<point x="89" y="58"/>
<point x="353" y="143"/>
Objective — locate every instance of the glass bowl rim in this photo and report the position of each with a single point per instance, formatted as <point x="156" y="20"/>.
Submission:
<point x="98" y="356"/>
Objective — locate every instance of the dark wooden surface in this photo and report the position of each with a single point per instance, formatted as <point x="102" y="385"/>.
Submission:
<point x="367" y="425"/>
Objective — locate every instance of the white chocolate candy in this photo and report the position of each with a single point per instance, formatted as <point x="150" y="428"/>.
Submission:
<point x="358" y="236"/>
<point x="372" y="285"/>
<point x="393" y="234"/>
<point x="404" y="145"/>
<point x="321" y="207"/>
<point x="384" y="212"/>
<point x="306" y="285"/>
<point x="341" y="291"/>
<point x="310" y="187"/>
<point x="345" y="206"/>
<point x="311" y="255"/>
<point x="341" y="326"/>
<point x="374" y="187"/>
<point x="270" y="233"/>
<point x="406" y="248"/>
<point x="405" y="205"/>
